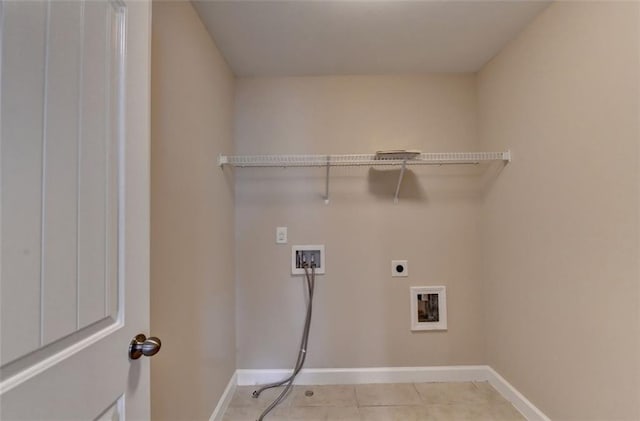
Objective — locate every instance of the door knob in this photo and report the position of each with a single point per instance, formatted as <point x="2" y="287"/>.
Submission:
<point x="141" y="345"/>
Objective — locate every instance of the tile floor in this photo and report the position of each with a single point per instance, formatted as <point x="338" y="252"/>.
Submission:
<point x="463" y="401"/>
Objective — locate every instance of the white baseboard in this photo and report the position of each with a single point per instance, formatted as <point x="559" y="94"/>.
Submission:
<point x="320" y="376"/>
<point x="225" y="399"/>
<point x="517" y="399"/>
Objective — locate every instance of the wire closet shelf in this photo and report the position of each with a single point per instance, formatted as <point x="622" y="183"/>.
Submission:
<point x="397" y="158"/>
<point x="347" y="160"/>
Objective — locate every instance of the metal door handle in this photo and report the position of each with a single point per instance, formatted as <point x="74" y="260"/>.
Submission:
<point x="141" y="345"/>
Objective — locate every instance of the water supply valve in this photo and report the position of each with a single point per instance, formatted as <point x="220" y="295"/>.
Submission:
<point x="309" y="255"/>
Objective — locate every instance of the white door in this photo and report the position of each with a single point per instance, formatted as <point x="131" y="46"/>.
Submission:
<point x="74" y="180"/>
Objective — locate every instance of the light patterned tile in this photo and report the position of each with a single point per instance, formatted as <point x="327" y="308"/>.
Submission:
<point x="324" y="413"/>
<point x="505" y="412"/>
<point x="393" y="413"/>
<point x="326" y="395"/>
<point x="446" y="393"/>
<point x="473" y="412"/>
<point x="243" y="397"/>
<point x="387" y="394"/>
<point x="309" y="413"/>
<point x="490" y="394"/>
<point x="458" y="412"/>
<point x="347" y="413"/>
<point x="378" y="402"/>
<point x="246" y="413"/>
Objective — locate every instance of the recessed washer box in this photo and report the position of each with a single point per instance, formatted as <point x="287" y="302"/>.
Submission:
<point x="308" y="254"/>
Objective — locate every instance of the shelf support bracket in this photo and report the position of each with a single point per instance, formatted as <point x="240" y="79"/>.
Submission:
<point x="402" y="170"/>
<point x="326" y="182"/>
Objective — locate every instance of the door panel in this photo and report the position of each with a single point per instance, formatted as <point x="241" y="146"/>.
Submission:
<point x="21" y="160"/>
<point x="72" y="166"/>
<point x="60" y="144"/>
<point x="74" y="152"/>
<point x="97" y="165"/>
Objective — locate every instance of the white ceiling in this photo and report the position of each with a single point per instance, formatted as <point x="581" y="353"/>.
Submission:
<point x="286" y="38"/>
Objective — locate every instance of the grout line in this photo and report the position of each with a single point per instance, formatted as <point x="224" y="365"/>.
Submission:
<point x="417" y="391"/>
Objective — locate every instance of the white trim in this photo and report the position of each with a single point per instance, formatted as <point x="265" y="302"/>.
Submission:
<point x="225" y="399"/>
<point x="517" y="399"/>
<point x="319" y="376"/>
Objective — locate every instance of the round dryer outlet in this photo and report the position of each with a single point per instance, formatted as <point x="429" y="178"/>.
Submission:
<point x="399" y="268"/>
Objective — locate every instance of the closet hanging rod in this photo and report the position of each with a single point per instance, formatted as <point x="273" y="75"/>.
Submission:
<point x="445" y="158"/>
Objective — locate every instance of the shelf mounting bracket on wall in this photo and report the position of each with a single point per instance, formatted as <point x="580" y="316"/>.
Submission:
<point x="404" y="167"/>
<point x="355" y="160"/>
<point x="326" y="182"/>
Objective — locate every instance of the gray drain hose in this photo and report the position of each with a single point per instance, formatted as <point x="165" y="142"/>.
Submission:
<point x="302" y="354"/>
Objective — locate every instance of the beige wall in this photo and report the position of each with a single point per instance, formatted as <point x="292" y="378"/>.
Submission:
<point x="361" y="314"/>
<point x="560" y="224"/>
<point x="540" y="259"/>
<point x="192" y="239"/>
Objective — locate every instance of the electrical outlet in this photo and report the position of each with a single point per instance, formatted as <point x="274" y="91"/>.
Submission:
<point x="281" y="235"/>
<point x="399" y="268"/>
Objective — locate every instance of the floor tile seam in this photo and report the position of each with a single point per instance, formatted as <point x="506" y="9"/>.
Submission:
<point x="285" y="404"/>
<point x="323" y="406"/>
<point x="424" y="405"/>
<point x="281" y="405"/>
<point x="393" y="404"/>
<point x="415" y="389"/>
<point x="355" y="392"/>
<point x="474" y="402"/>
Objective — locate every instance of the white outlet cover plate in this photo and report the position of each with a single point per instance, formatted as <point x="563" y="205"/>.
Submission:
<point x="296" y="271"/>
<point x="399" y="268"/>
<point x="281" y="235"/>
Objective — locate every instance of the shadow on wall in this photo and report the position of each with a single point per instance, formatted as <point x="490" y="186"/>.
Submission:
<point x="420" y="185"/>
<point x="434" y="184"/>
<point x="490" y="176"/>
<point x="383" y="183"/>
